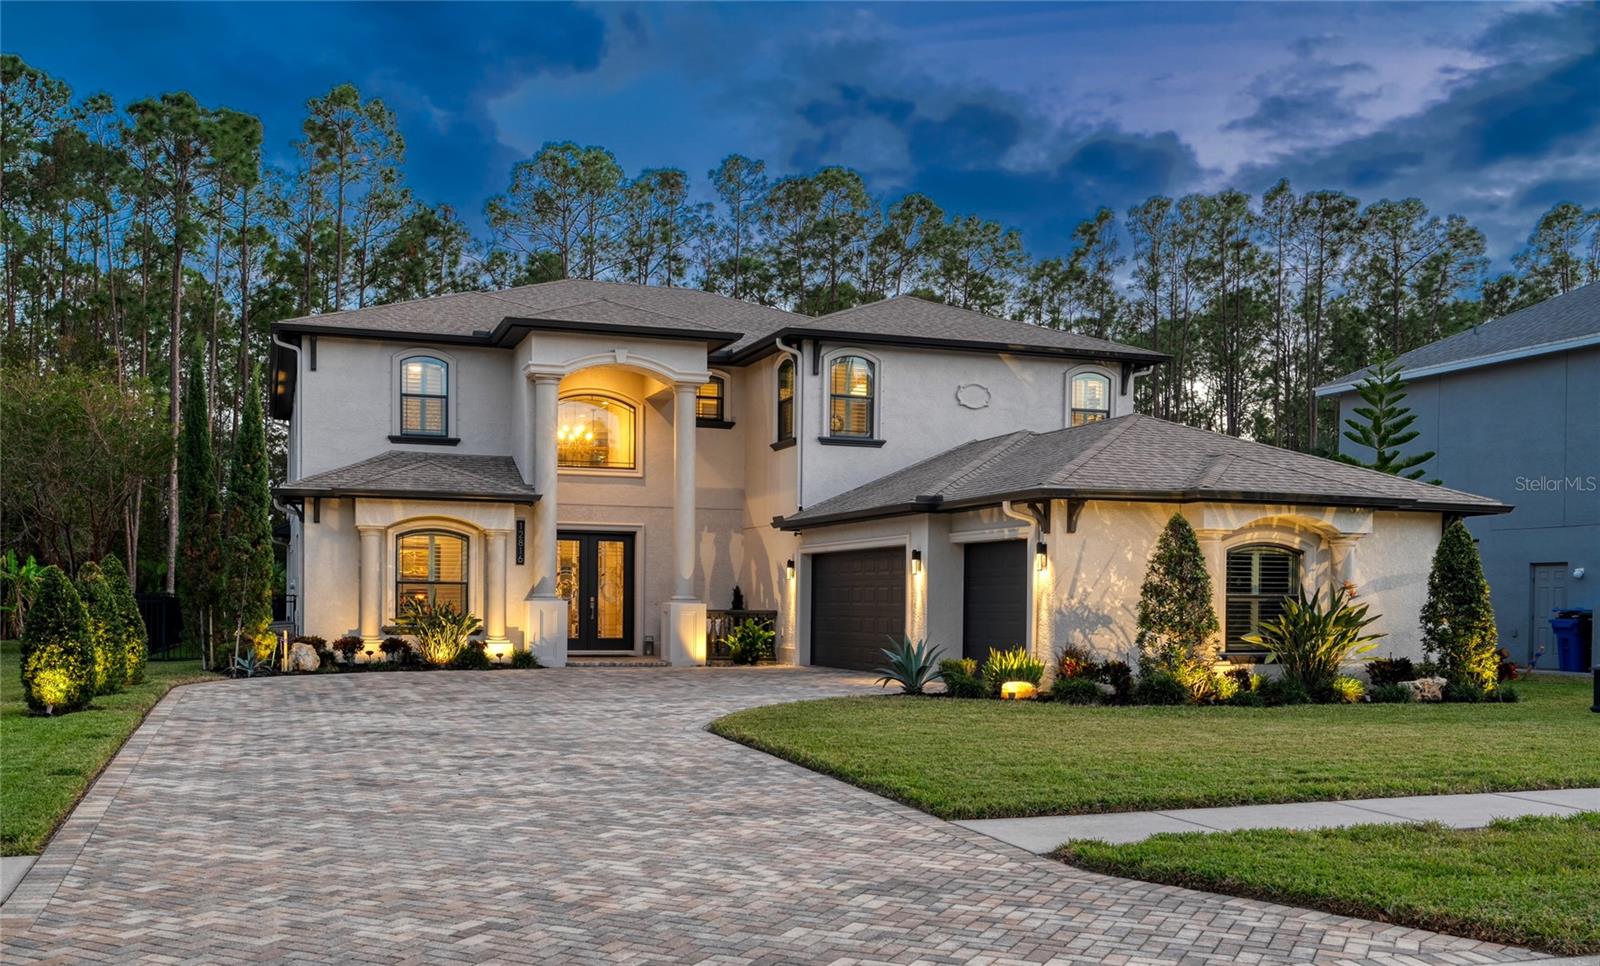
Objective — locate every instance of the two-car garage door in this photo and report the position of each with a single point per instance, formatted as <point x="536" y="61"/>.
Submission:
<point x="858" y="603"/>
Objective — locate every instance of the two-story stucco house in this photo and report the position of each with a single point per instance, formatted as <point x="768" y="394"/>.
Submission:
<point x="587" y="466"/>
<point x="1511" y="408"/>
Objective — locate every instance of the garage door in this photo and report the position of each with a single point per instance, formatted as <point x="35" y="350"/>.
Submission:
<point x="994" y="614"/>
<point x="858" y="602"/>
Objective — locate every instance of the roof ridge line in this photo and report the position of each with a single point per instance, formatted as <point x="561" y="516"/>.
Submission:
<point x="974" y="467"/>
<point x="1094" y="449"/>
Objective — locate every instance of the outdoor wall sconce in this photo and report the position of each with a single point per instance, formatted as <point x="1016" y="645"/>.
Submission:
<point x="788" y="568"/>
<point x="916" y="562"/>
<point x="1041" y="555"/>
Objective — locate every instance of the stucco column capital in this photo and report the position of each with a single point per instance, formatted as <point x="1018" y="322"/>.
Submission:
<point x="369" y="528"/>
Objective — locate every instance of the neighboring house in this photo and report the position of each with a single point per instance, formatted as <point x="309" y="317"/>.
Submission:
<point x="590" y="466"/>
<point x="1512" y="408"/>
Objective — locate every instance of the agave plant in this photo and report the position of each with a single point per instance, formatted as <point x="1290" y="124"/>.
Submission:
<point x="1312" y="640"/>
<point x="912" y="666"/>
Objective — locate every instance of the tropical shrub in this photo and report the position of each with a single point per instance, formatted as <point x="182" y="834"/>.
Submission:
<point x="1243" y="698"/>
<point x="439" y="630"/>
<point x="961" y="678"/>
<point x="473" y="657"/>
<point x="1073" y="662"/>
<point x="1311" y="640"/>
<point x="392" y="647"/>
<point x="1347" y="690"/>
<point x="1119" y="675"/>
<point x="524" y="659"/>
<point x="1176" y="619"/>
<point x="1505" y="694"/>
<point x="1011" y="665"/>
<point x="1160" y="687"/>
<point x="1282" y="690"/>
<point x="57" y="659"/>
<point x="1389" y="694"/>
<point x="1075" y="691"/>
<point x="1508" y="670"/>
<point x="1464" y="692"/>
<point x="1458" y="629"/>
<point x="1226" y="687"/>
<point x="750" y="642"/>
<point x="913" y="666"/>
<point x="108" y="672"/>
<point x="135" y="640"/>
<point x="348" y="647"/>
<point x="1390" y="670"/>
<point x="19" y="581"/>
<point x="318" y="644"/>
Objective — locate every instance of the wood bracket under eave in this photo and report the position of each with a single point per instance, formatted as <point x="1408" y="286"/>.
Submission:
<point x="816" y="357"/>
<point x="1127" y="376"/>
<point x="316" y="509"/>
<point x="1040" y="511"/>
<point x="1074" y="510"/>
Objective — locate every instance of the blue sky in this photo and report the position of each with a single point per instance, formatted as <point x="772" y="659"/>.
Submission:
<point x="1032" y="114"/>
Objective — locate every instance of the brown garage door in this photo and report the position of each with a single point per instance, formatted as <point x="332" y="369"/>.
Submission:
<point x="858" y="602"/>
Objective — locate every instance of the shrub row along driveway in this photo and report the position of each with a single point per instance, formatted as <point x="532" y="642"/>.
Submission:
<point x="574" y="815"/>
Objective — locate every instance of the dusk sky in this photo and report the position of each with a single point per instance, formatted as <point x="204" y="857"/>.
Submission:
<point x="1030" y="114"/>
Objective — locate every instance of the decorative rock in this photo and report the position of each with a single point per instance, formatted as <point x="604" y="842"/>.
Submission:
<point x="1106" y="689"/>
<point x="1425" y="689"/>
<point x="303" y="657"/>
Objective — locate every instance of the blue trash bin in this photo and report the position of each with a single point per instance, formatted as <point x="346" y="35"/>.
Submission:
<point x="1571" y="627"/>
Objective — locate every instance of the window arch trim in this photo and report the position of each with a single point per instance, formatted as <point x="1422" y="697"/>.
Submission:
<point x="565" y="461"/>
<point x="401" y="428"/>
<point x="447" y="571"/>
<point x="852" y="417"/>
<point x="1253" y="593"/>
<point x="1091" y="414"/>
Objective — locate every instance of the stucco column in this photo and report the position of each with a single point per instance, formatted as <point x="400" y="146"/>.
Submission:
<point x="1217" y="570"/>
<point x="683" y="532"/>
<point x="546" y="408"/>
<point x="494" y="597"/>
<point x="371" y="585"/>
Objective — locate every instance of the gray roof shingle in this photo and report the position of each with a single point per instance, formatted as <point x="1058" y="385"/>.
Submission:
<point x="420" y="475"/>
<point x="1552" y="325"/>
<point x="1130" y="458"/>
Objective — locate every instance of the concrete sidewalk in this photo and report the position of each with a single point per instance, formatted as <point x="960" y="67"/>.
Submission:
<point x="1046" y="833"/>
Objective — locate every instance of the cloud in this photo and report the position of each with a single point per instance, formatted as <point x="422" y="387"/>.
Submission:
<point x="1309" y="98"/>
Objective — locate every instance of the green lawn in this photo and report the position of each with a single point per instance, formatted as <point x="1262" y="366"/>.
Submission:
<point x="46" y="764"/>
<point x="1528" y="882"/>
<point x="990" y="759"/>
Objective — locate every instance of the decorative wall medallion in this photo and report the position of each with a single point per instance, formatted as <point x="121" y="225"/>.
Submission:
<point x="972" y="396"/>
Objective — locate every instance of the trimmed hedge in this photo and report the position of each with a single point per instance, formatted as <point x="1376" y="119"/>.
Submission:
<point x="57" y="656"/>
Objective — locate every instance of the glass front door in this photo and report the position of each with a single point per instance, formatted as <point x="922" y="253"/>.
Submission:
<point x="594" y="573"/>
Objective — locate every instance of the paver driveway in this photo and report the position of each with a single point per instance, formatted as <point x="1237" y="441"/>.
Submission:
<point x="574" y="815"/>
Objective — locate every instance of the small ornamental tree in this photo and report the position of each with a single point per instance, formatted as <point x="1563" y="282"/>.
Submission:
<point x="247" y="549"/>
<point x="109" y="669"/>
<point x="56" y="656"/>
<point x="1385" y="425"/>
<point x="134" y="638"/>
<point x="1458" y="629"/>
<point x="1176" y="619"/>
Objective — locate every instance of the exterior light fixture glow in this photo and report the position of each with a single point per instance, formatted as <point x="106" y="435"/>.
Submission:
<point x="916" y="562"/>
<point x="1017" y="691"/>
<point x="788" y="569"/>
<point x="1041" y="555"/>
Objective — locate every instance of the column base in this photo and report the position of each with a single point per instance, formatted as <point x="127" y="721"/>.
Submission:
<point x="546" y="634"/>
<point x="683" y="632"/>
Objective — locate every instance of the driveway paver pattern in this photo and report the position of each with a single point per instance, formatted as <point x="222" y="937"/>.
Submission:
<point x="577" y="815"/>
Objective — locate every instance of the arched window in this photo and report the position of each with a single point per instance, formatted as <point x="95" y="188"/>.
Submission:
<point x="424" y="397"/>
<point x="850" y="392"/>
<point x="596" y="432"/>
<point x="785" y="400"/>
<point x="1259" y="578"/>
<point x="431" y="566"/>
<point x="711" y="401"/>
<point x="1091" y="398"/>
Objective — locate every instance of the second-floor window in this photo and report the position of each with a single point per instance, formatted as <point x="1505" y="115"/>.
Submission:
<point x="1091" y="398"/>
<point x="424" y="397"/>
<point x="785" y="400"/>
<point x="596" y="432"/>
<point x="851" y="395"/>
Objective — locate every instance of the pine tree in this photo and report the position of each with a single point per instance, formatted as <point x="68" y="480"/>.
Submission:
<point x="109" y="671"/>
<point x="135" y="639"/>
<point x="199" y="513"/>
<point x="1385" y="425"/>
<point x="247" y="554"/>
<point x="1176" y="619"/>
<point x="1458" y="629"/>
<point x="56" y="658"/>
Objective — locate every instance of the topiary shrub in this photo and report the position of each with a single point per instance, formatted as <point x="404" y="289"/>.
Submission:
<point x="57" y="655"/>
<point x="135" y="639"/>
<point x="1458" y="628"/>
<point x="109" y="669"/>
<point x="1389" y="694"/>
<point x="1160" y="687"/>
<point x="1176" y="619"/>
<point x="960" y="676"/>
<point x="1011" y="665"/>
<point x="1075" y="691"/>
<point x="1390" y="670"/>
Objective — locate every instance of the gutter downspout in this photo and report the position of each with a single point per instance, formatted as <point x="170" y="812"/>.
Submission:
<point x="799" y="464"/>
<point x="1034" y="535"/>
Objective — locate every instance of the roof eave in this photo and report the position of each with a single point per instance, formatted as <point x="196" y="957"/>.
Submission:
<point x="1346" y="384"/>
<point x="509" y="331"/>
<point x="768" y="344"/>
<point x="339" y="492"/>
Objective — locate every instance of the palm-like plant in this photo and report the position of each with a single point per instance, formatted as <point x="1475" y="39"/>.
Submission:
<point x="913" y="666"/>
<point x="1312" y="640"/>
<point x="19" y="581"/>
<point x="440" y="630"/>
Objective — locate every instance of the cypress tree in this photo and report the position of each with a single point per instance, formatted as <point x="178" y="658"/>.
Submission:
<point x="247" y="590"/>
<point x="1385" y="425"/>
<point x="109" y="668"/>
<point x="56" y="657"/>
<point x="199" y="512"/>
<point x="1458" y="629"/>
<point x="135" y="640"/>
<point x="1176" y="619"/>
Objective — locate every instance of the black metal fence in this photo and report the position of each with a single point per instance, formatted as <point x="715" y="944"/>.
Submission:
<point x="164" y="624"/>
<point x="720" y="624"/>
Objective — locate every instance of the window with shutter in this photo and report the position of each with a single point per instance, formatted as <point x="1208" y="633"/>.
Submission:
<point x="1259" y="578"/>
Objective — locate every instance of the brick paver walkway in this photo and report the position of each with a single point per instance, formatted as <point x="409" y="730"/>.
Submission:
<point x="576" y="815"/>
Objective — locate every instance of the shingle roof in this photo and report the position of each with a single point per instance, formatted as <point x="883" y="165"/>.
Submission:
<point x="1553" y="325"/>
<point x="908" y="318"/>
<point x="418" y="476"/>
<point x="1130" y="458"/>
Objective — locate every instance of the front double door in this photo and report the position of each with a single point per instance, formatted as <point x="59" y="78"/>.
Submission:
<point x="594" y="572"/>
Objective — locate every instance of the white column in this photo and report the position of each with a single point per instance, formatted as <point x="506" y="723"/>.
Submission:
<point x="494" y="598"/>
<point x="371" y="584"/>
<point x="545" y="630"/>
<point x="683" y="618"/>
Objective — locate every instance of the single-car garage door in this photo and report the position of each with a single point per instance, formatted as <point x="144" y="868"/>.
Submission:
<point x="994" y="614"/>
<point x="858" y="602"/>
